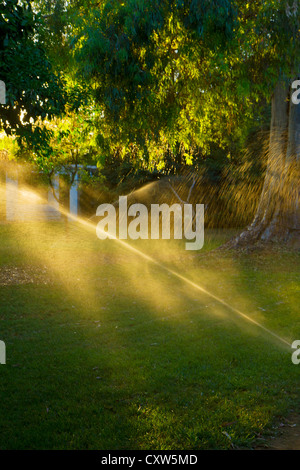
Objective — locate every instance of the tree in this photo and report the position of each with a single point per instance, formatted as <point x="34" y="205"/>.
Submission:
<point x="278" y="213"/>
<point x="73" y="147"/>
<point x="33" y="91"/>
<point x="150" y="63"/>
<point x="185" y="70"/>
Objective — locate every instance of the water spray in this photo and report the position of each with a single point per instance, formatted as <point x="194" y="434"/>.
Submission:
<point x="146" y="257"/>
<point x="182" y="278"/>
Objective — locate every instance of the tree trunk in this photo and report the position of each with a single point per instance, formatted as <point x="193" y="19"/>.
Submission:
<point x="278" y="214"/>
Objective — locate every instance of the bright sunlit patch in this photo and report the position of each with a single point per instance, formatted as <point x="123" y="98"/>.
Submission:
<point x="162" y="303"/>
<point x="191" y="283"/>
<point x="27" y="196"/>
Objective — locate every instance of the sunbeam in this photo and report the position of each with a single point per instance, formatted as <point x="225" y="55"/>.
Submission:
<point x="183" y="279"/>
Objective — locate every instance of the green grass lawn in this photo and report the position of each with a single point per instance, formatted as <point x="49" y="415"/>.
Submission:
<point x="106" y="350"/>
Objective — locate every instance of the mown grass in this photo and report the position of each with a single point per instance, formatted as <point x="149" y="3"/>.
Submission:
<point x="106" y="350"/>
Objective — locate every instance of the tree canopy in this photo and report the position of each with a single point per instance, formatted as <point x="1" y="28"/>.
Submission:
<point x="33" y="91"/>
<point x="183" y="72"/>
<point x="166" y="83"/>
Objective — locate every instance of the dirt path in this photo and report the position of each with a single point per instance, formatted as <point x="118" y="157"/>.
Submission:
<point x="288" y="436"/>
